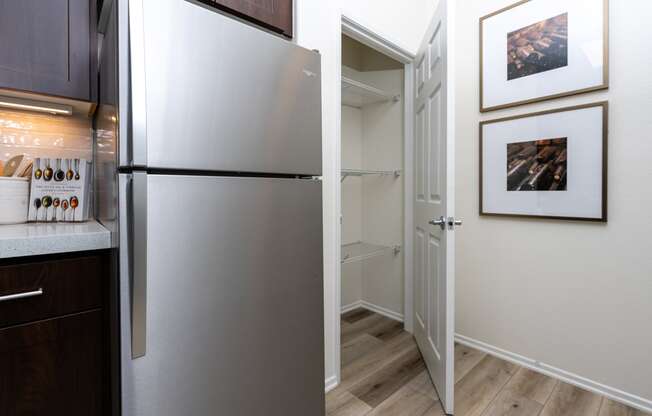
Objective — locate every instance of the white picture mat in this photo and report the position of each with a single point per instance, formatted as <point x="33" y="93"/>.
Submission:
<point x="583" y="195"/>
<point x="585" y="51"/>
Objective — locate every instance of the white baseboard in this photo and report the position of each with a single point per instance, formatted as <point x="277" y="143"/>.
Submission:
<point x="554" y="372"/>
<point x="351" y="307"/>
<point x="374" y="308"/>
<point x="331" y="383"/>
<point x="382" y="311"/>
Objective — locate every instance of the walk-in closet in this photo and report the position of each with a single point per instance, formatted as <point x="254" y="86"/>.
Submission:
<point x="372" y="274"/>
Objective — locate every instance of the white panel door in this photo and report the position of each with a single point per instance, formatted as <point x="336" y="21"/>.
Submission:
<point x="434" y="245"/>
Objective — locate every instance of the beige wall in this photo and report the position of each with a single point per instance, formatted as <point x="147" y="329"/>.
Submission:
<point x="318" y="26"/>
<point x="351" y="273"/>
<point x="362" y="58"/>
<point x="383" y="197"/>
<point x="574" y="296"/>
<point x="372" y="207"/>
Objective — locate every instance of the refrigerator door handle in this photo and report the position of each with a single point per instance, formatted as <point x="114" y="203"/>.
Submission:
<point x="139" y="262"/>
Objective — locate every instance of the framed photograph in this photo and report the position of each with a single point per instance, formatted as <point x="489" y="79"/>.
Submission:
<point x="551" y="164"/>
<point x="538" y="50"/>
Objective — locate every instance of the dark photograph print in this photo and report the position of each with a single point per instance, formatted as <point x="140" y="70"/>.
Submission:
<point x="537" y="48"/>
<point x="539" y="165"/>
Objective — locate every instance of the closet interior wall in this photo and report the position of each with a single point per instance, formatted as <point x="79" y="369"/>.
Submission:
<point x="351" y="204"/>
<point x="372" y="205"/>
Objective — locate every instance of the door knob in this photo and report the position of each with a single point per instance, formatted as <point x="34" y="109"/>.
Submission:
<point x="440" y="222"/>
<point x="452" y="222"/>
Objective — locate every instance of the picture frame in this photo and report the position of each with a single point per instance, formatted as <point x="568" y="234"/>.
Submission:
<point x="566" y="147"/>
<point x="539" y="50"/>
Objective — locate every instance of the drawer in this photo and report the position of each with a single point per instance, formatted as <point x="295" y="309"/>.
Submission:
<point x="47" y="289"/>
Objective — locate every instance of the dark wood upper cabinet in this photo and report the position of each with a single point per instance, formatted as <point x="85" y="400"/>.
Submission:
<point x="272" y="14"/>
<point x="49" y="47"/>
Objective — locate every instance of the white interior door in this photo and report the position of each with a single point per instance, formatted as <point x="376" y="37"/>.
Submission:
<point x="434" y="196"/>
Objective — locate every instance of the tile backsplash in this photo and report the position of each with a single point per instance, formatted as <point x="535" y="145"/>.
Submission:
<point x="43" y="135"/>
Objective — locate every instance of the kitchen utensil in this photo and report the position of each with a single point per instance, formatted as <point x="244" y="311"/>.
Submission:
<point x="55" y="203"/>
<point x="37" y="205"/>
<point x="64" y="208"/>
<point x="48" y="172"/>
<point x="38" y="173"/>
<point x="69" y="173"/>
<point x="12" y="164"/>
<point x="47" y="203"/>
<point x="25" y="169"/>
<point x="77" y="169"/>
<point x="74" y="203"/>
<point x="59" y="175"/>
<point x="14" y="200"/>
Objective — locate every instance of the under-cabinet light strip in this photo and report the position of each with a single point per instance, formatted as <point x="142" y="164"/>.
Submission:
<point x="32" y="105"/>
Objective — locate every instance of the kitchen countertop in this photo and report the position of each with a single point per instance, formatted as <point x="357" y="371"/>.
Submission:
<point x="44" y="238"/>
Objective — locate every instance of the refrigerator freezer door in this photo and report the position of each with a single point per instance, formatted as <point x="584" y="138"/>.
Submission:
<point x="234" y="303"/>
<point x="212" y="93"/>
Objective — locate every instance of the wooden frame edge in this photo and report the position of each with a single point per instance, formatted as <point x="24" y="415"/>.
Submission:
<point x="605" y="161"/>
<point x="605" y="65"/>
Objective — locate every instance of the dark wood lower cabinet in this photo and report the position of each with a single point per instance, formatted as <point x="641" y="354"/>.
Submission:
<point x="55" y="347"/>
<point x="53" y="367"/>
<point x="68" y="286"/>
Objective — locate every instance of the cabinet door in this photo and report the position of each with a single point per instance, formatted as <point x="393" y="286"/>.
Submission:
<point x="52" y="367"/>
<point x="273" y="14"/>
<point x="47" y="47"/>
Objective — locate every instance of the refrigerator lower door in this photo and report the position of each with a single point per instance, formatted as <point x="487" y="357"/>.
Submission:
<point x="211" y="93"/>
<point x="231" y="309"/>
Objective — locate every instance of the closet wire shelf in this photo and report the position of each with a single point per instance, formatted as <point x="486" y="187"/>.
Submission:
<point x="358" y="94"/>
<point x="359" y="172"/>
<point x="358" y="251"/>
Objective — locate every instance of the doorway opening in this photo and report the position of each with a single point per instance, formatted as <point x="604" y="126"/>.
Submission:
<point x="376" y="232"/>
<point x="372" y="189"/>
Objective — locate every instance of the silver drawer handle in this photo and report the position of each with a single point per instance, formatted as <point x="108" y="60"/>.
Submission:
<point x="23" y="295"/>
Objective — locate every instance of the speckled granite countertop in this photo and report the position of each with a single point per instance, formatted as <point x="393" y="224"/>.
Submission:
<point x="42" y="238"/>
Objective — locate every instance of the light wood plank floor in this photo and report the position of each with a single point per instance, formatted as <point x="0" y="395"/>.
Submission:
<point x="383" y="374"/>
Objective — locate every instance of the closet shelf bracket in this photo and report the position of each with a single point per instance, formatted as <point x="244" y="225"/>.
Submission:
<point x="358" y="94"/>
<point x="360" y="250"/>
<point x="357" y="172"/>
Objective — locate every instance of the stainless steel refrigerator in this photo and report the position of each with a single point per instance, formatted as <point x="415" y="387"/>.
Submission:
<point x="208" y="164"/>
